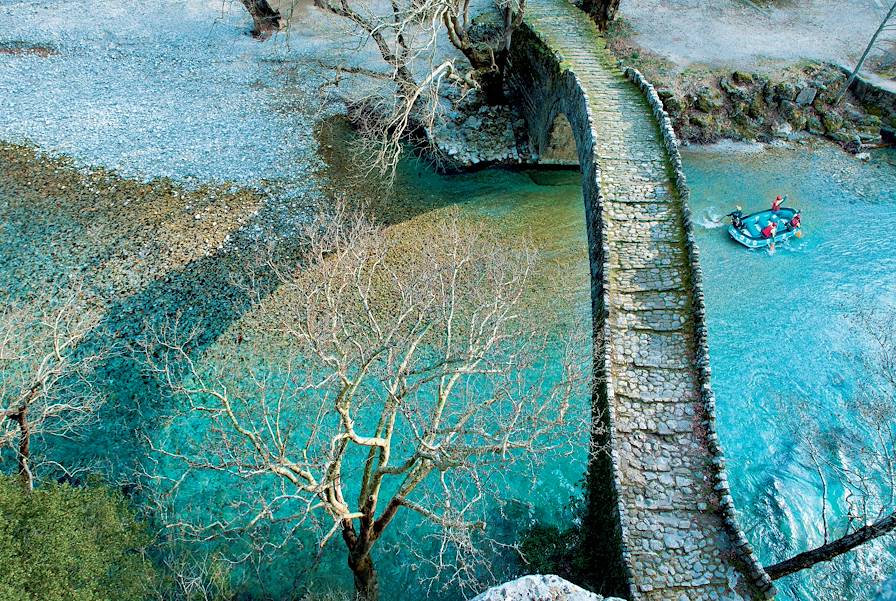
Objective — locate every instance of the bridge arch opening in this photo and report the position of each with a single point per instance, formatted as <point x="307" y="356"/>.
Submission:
<point x="561" y="144"/>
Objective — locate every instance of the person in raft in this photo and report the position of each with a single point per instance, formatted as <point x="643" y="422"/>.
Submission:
<point x="776" y="204"/>
<point x="794" y="223"/>
<point x="737" y="217"/>
<point x="770" y="230"/>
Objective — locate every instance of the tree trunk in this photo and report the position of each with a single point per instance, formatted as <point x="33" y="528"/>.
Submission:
<point x="366" y="582"/>
<point x="489" y="72"/>
<point x="833" y="549"/>
<point x="602" y="11"/>
<point x="855" y="72"/>
<point x="24" y="456"/>
<point x="266" y="20"/>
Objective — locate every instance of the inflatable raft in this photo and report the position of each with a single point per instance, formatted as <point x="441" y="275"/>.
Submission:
<point x="750" y="232"/>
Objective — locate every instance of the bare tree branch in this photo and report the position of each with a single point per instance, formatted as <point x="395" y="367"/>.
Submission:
<point x="44" y="385"/>
<point x="395" y="385"/>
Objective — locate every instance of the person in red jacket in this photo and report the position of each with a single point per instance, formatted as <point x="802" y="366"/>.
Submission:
<point x="794" y="223"/>
<point x="776" y="204"/>
<point x="770" y="230"/>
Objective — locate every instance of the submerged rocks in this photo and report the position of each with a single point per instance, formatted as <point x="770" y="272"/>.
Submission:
<point x="540" y="588"/>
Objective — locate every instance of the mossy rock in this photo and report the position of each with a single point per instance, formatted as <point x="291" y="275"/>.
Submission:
<point x="814" y="125"/>
<point x="671" y="103"/>
<point x="736" y="93"/>
<point x="709" y="99"/>
<point x="798" y="120"/>
<point x="757" y="107"/>
<point x="832" y="122"/>
<point x="847" y="136"/>
<point x="785" y="91"/>
<point x="702" y="121"/>
<point x="742" y="77"/>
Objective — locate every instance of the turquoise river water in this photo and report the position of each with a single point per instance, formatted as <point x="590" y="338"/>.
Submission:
<point x="779" y="335"/>
<point x="778" y="327"/>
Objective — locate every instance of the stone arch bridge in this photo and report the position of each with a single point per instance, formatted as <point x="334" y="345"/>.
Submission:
<point x="669" y="523"/>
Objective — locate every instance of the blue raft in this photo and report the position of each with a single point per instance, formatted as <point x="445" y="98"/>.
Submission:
<point x="750" y="232"/>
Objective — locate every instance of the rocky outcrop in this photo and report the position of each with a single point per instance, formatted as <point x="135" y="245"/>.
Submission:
<point x="540" y="588"/>
<point x="474" y="135"/>
<point x="707" y="105"/>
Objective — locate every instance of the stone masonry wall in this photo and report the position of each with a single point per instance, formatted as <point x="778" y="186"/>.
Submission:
<point x="743" y="548"/>
<point x="545" y="90"/>
<point x="615" y="130"/>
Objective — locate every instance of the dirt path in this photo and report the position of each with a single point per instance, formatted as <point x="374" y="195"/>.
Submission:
<point x="747" y="35"/>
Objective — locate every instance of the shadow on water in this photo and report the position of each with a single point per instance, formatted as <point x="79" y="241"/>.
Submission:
<point x="209" y="295"/>
<point x="122" y="258"/>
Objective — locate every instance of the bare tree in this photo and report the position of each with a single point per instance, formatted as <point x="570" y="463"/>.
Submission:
<point x="602" y="11"/>
<point x="403" y="97"/>
<point x="397" y="385"/>
<point x="884" y="25"/>
<point x="859" y="453"/>
<point x="407" y="94"/>
<point x="486" y="48"/>
<point x="44" y="384"/>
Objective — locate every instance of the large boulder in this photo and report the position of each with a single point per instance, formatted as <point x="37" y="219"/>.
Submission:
<point x="540" y="588"/>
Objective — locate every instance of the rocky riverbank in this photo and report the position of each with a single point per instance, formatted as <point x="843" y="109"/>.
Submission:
<point x="474" y="135"/>
<point x="706" y="105"/>
<point x="792" y="101"/>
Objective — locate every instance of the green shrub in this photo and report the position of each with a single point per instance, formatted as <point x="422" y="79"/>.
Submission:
<point x="66" y="543"/>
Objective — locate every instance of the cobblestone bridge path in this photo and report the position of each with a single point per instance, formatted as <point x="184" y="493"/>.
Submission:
<point x="679" y="530"/>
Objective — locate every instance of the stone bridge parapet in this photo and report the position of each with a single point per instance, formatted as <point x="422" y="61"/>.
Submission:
<point x="659" y="497"/>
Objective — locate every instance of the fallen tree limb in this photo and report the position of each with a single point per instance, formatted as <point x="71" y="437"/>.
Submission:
<point x="832" y="549"/>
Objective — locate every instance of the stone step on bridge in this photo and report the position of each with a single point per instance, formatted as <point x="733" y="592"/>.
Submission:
<point x="667" y="519"/>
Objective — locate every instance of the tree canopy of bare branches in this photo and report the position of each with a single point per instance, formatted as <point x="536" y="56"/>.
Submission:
<point x="402" y="381"/>
<point x="45" y="389"/>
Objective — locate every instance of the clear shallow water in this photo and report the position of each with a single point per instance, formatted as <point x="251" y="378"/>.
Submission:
<point x="772" y="318"/>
